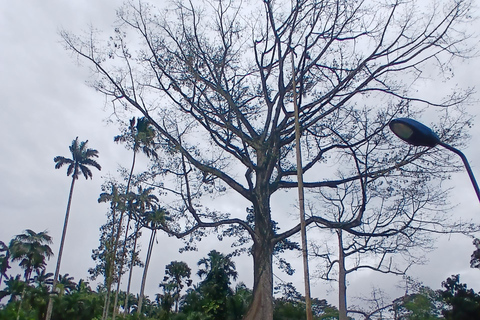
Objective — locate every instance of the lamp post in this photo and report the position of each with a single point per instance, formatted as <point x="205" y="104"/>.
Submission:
<point x="418" y="134"/>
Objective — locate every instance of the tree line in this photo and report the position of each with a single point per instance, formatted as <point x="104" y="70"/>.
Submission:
<point x="212" y="298"/>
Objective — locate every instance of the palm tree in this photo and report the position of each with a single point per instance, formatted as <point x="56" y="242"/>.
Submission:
<point x="143" y="201"/>
<point x="14" y="287"/>
<point x="43" y="279"/>
<point x="217" y="269"/>
<point x="153" y="220"/>
<point x="217" y="266"/>
<point x="66" y="283"/>
<point x="176" y="273"/>
<point x="82" y="158"/>
<point x="31" y="249"/>
<point x="139" y="136"/>
<point x="116" y="202"/>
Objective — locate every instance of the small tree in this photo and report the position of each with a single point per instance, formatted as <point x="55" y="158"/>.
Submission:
<point x="177" y="274"/>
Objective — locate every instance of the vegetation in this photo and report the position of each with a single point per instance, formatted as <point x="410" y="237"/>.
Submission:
<point x="200" y="71"/>
<point x="208" y="97"/>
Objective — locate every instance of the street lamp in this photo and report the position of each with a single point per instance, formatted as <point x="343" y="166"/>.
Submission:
<point x="418" y="134"/>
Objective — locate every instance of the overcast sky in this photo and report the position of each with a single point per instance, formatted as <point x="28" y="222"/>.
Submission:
<point x="45" y="104"/>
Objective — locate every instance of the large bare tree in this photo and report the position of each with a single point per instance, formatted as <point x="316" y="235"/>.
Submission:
<point x="215" y="79"/>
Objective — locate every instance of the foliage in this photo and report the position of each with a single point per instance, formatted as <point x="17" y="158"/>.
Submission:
<point x="475" y="257"/>
<point x="177" y="274"/>
<point x="463" y="303"/>
<point x="31" y="249"/>
<point x="82" y="158"/>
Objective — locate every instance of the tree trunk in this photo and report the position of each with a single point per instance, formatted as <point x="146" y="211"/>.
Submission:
<point x="122" y="260"/>
<point x="145" y="270"/>
<point x="342" y="279"/>
<point x="130" y="272"/>
<point x="27" y="277"/>
<point x="60" y="250"/>
<point x="111" y="262"/>
<point x="261" y="307"/>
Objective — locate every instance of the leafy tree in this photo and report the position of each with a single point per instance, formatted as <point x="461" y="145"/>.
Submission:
<point x="4" y="258"/>
<point x="218" y="270"/>
<point x="426" y="304"/>
<point x="176" y="274"/>
<point x="463" y="303"/>
<point x="82" y="159"/>
<point x="206" y="74"/>
<point x="475" y="257"/>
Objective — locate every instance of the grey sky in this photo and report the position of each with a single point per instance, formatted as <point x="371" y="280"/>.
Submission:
<point x="46" y="104"/>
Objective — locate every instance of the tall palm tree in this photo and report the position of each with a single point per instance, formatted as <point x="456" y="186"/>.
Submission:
<point x="31" y="249"/>
<point x="153" y="220"/>
<point x="139" y="136"/>
<point x="117" y="202"/>
<point x="143" y="201"/>
<point x="82" y="159"/>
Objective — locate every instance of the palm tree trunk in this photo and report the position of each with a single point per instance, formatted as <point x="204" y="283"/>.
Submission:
<point x="60" y="250"/>
<point x="342" y="278"/>
<point x="20" y="304"/>
<point x="127" y="308"/>
<point x="145" y="270"/>
<point x="126" y="236"/>
<point x="27" y="277"/>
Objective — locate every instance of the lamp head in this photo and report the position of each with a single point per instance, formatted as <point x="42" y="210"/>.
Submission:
<point x="414" y="132"/>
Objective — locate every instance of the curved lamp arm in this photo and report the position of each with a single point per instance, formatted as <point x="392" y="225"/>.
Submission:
<point x="466" y="164"/>
<point x="418" y="134"/>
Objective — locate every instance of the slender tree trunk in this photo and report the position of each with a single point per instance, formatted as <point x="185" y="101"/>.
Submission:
<point x="301" y="203"/>
<point x="109" y="273"/>
<point x="145" y="270"/>
<point x="27" y="277"/>
<point x="112" y="269"/>
<point x="342" y="279"/>
<point x="60" y="250"/>
<point x="130" y="272"/>
<point x="122" y="260"/>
